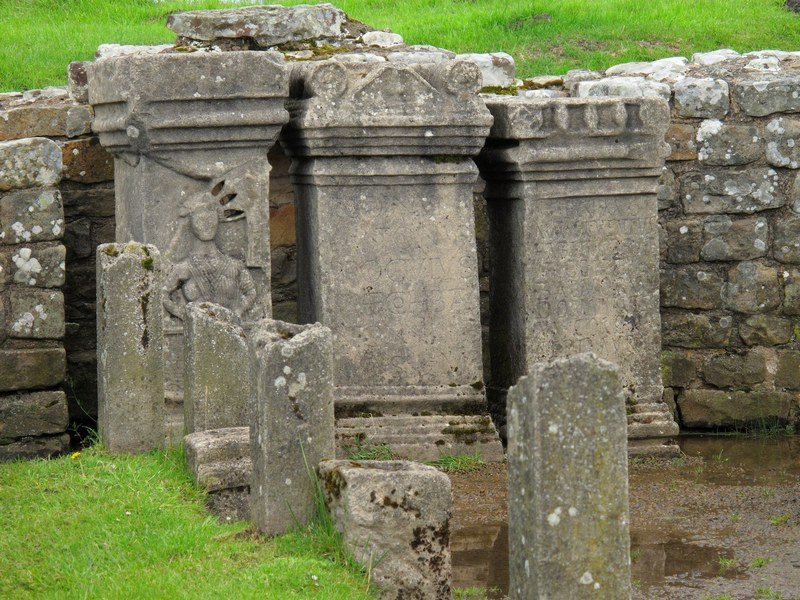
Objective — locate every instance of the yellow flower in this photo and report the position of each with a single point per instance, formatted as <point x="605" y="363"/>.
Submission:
<point x="75" y="455"/>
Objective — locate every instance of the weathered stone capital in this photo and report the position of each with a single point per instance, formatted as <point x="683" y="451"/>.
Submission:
<point x="165" y="102"/>
<point x="368" y="109"/>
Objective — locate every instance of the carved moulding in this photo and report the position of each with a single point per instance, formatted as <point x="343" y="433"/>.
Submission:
<point x="190" y="135"/>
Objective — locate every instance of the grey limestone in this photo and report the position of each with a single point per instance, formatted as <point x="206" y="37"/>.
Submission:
<point x="568" y="482"/>
<point x="266" y="25"/>
<point x="751" y="288"/>
<point x="497" y="68"/>
<point x="382" y="39"/>
<point x="32" y="414"/>
<point x="31" y="162"/>
<point x="783" y="142"/>
<point x="768" y="94"/>
<point x="731" y="191"/>
<point x="291" y="422"/>
<point x="725" y="144"/>
<point x="130" y="362"/>
<point x="740" y="239"/>
<point x="714" y="57"/>
<point x="703" y="97"/>
<point x="383" y="182"/>
<point x="627" y="87"/>
<point x="394" y="518"/>
<point x="33" y="215"/>
<point x="571" y="197"/>
<point x="216" y="383"/>
<point x="191" y="174"/>
<point x="35" y="314"/>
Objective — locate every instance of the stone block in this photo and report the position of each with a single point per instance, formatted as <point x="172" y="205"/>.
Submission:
<point x="95" y="201"/>
<point x="498" y="69"/>
<point x="714" y="57"/>
<point x="742" y="239"/>
<point x="35" y="447"/>
<point x="292" y="422"/>
<point x="567" y="482"/>
<point x="765" y="330"/>
<point x="786" y="243"/>
<point x="32" y="162"/>
<point x="702" y="97"/>
<point x="729" y="191"/>
<point x="681" y="140"/>
<point x="394" y="517"/>
<point x="677" y="369"/>
<point x="783" y="142"/>
<point x="690" y="287"/>
<point x="33" y="121"/>
<point x="791" y="292"/>
<point x="78" y="81"/>
<point x="711" y="409"/>
<point x="31" y="216"/>
<point x="660" y="70"/>
<point x="382" y="39"/>
<point x="684" y="241"/>
<point x="788" y="373"/>
<point x="32" y="414"/>
<point x="695" y="330"/>
<point x="79" y="121"/>
<point x="38" y="266"/>
<point x="752" y="288"/>
<point x="626" y="87"/>
<point x="31" y="368"/>
<point x="36" y="314"/>
<point x="219" y="459"/>
<point x="215" y="392"/>
<point x="667" y="189"/>
<point x="767" y="94"/>
<point x="266" y="25"/>
<point x="106" y="51"/>
<point x="130" y="360"/>
<point x="86" y="161"/>
<point x="726" y="144"/>
<point x="735" y="370"/>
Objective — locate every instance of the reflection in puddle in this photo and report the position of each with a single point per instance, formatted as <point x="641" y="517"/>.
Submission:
<point x="661" y="555"/>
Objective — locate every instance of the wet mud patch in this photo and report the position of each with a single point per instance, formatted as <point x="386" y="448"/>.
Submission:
<point x="724" y="520"/>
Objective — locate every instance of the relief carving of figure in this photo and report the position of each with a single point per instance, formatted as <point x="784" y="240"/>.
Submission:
<point x="200" y="272"/>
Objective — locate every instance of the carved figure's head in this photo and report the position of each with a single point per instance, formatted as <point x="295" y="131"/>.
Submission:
<point x="203" y="213"/>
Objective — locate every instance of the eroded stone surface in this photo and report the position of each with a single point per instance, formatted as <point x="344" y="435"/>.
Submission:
<point x="32" y="162"/>
<point x="703" y="97"/>
<point x="35" y="215"/>
<point x="32" y="414"/>
<point x="567" y="480"/>
<point x="292" y="422"/>
<point x="398" y="511"/>
<point x="130" y="362"/>
<point x="216" y="385"/>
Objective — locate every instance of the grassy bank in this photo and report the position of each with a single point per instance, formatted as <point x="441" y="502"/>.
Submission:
<point x="98" y="526"/>
<point x="546" y="36"/>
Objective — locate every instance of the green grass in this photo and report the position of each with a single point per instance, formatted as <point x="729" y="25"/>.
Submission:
<point x="780" y="520"/>
<point x="726" y="563"/>
<point x="135" y="527"/>
<point x="364" y="450"/>
<point x="760" y="561"/>
<point x="546" y="36"/>
<point x="458" y="463"/>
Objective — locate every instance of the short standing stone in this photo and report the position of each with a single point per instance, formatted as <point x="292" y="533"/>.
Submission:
<point x="701" y="97"/>
<point x="216" y="388"/>
<point x="130" y="362"/>
<point x="394" y="517"/>
<point x="292" y="423"/>
<point x="568" y="482"/>
<point x="267" y="25"/>
<point x="32" y="162"/>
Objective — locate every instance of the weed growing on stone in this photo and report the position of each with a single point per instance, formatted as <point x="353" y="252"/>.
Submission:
<point x="767" y="593"/>
<point x="719" y="597"/>
<point x="726" y="563"/>
<point x="458" y="463"/>
<point x="736" y="517"/>
<point x="364" y="450"/>
<point x="473" y="593"/>
<point x="760" y="561"/>
<point x="780" y="520"/>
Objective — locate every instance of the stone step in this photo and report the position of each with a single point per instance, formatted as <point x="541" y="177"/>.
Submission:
<point x="658" y="448"/>
<point x="649" y="418"/>
<point x="657" y="429"/>
<point x="424" y="437"/>
<point x="649" y="407"/>
<point x="219" y="459"/>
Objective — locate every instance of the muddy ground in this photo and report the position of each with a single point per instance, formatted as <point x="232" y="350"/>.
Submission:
<point x="723" y="521"/>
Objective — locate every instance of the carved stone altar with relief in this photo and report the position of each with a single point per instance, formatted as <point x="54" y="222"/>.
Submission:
<point x="190" y="135"/>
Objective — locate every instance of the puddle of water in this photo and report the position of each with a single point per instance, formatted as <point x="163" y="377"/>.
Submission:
<point x="480" y="553"/>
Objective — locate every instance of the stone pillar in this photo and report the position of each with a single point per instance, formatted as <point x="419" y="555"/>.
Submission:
<point x="292" y="424"/>
<point x="394" y="518"/>
<point x="568" y="482"/>
<point x="216" y="384"/>
<point x="387" y="259"/>
<point x="130" y="359"/>
<point x="571" y="197"/>
<point x="190" y="135"/>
